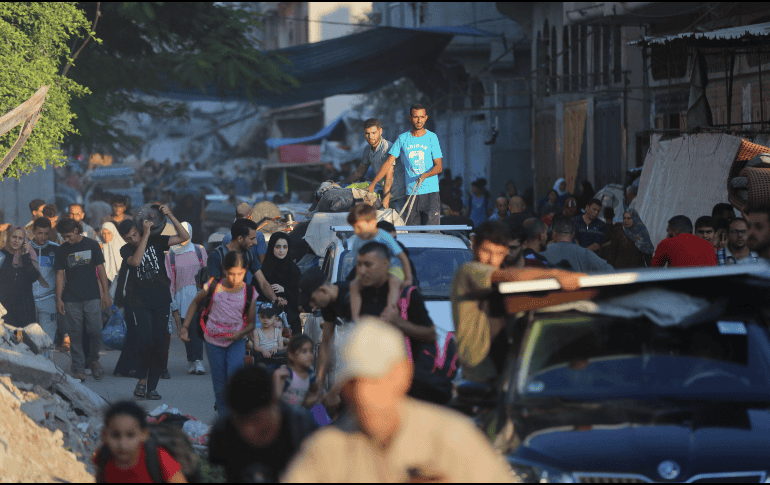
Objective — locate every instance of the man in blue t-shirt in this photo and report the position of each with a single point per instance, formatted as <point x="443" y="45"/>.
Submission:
<point x="421" y="154"/>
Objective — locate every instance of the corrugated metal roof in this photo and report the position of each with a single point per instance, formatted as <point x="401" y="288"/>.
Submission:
<point x="756" y="30"/>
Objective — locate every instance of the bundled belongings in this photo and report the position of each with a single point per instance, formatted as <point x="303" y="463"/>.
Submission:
<point x="330" y="197"/>
<point x="748" y="183"/>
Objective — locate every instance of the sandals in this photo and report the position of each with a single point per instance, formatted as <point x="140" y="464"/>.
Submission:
<point x="140" y="391"/>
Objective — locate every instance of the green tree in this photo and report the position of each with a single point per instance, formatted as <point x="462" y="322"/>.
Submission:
<point x="35" y="37"/>
<point x="147" y="44"/>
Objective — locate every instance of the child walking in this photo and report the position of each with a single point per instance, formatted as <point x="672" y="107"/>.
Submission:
<point x="268" y="339"/>
<point x="122" y="458"/>
<point x="226" y="321"/>
<point x="301" y="387"/>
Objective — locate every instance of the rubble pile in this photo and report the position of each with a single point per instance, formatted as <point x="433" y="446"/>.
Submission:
<point x="48" y="421"/>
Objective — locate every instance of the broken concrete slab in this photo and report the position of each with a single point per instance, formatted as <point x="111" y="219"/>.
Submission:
<point x="34" y="409"/>
<point x="80" y="396"/>
<point x="29" y="368"/>
<point x="36" y="339"/>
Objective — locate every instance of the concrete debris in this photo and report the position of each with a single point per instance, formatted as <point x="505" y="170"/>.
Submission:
<point x="27" y="367"/>
<point x="36" y="339"/>
<point x="52" y="404"/>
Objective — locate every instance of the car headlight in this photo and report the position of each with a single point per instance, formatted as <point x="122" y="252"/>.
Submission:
<point x="530" y="472"/>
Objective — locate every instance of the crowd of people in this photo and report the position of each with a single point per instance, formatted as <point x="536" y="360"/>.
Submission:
<point x="242" y="302"/>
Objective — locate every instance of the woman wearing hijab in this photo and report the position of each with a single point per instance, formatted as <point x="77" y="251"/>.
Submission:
<point x="183" y="262"/>
<point x="17" y="273"/>
<point x="112" y="244"/>
<point x="587" y="193"/>
<point x="283" y="275"/>
<point x="630" y="245"/>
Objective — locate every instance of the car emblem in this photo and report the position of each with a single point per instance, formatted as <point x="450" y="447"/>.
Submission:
<point x="669" y="469"/>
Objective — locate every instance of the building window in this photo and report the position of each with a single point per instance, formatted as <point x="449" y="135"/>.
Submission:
<point x="617" y="47"/>
<point x="565" y="59"/>
<point x="606" y="55"/>
<point x="596" y="39"/>
<point x="554" y="57"/>
<point x="583" y="57"/>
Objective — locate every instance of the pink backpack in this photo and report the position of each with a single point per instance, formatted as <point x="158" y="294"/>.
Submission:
<point x="444" y="357"/>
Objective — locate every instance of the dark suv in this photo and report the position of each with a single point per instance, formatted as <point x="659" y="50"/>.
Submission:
<point x="664" y="375"/>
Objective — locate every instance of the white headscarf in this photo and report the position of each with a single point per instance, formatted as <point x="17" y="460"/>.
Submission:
<point x="557" y="189"/>
<point x="186" y="246"/>
<point x="112" y="258"/>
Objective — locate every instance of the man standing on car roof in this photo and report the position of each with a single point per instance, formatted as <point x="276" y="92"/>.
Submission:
<point x="476" y="330"/>
<point x="375" y="155"/>
<point x="421" y="154"/>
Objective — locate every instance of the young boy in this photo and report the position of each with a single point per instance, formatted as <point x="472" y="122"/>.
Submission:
<point x="363" y="218"/>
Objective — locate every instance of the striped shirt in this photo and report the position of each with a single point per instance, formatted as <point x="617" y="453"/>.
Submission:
<point x="724" y="257"/>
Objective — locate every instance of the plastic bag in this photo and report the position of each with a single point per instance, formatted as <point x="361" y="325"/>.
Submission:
<point x="114" y="334"/>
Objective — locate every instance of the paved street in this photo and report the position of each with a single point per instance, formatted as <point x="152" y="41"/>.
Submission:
<point x="192" y="394"/>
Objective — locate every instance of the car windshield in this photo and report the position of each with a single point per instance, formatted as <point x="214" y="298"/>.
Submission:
<point x="435" y="267"/>
<point x="602" y="357"/>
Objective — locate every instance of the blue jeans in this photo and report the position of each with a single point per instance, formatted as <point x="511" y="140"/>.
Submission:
<point x="223" y="362"/>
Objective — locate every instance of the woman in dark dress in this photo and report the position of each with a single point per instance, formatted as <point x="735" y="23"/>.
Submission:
<point x="630" y="245"/>
<point x="283" y="275"/>
<point x="128" y="363"/>
<point x="17" y="273"/>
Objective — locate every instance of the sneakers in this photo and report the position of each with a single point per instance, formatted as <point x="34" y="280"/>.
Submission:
<point x="196" y="367"/>
<point x="165" y="374"/>
<point x="97" y="372"/>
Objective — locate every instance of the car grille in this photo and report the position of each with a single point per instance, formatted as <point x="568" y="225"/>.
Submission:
<point x="733" y="477"/>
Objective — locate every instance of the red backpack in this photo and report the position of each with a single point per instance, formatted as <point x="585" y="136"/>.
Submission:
<point x="438" y="367"/>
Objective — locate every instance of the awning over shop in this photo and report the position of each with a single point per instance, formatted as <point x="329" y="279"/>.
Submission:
<point x="325" y="132"/>
<point x="357" y="63"/>
<point x="714" y="38"/>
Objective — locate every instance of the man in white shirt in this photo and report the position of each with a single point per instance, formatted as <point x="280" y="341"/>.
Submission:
<point x="389" y="437"/>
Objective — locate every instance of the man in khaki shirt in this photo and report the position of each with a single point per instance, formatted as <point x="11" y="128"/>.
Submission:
<point x="474" y="328"/>
<point x="387" y="436"/>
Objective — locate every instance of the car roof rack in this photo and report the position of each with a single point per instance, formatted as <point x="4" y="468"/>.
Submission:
<point x="411" y="228"/>
<point x="646" y="275"/>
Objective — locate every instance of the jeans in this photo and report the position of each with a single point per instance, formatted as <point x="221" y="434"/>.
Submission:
<point x="223" y="362"/>
<point x="426" y="210"/>
<point x="83" y="318"/>
<point x="46" y="316"/>
<point x="194" y="347"/>
<point x="152" y="329"/>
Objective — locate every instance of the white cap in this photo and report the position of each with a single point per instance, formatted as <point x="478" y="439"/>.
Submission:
<point x="371" y="350"/>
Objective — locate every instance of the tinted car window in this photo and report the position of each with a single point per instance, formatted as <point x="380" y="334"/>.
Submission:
<point x="435" y="267"/>
<point x="606" y="357"/>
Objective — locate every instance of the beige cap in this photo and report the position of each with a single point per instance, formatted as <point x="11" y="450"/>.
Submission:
<point x="243" y="209"/>
<point x="371" y="349"/>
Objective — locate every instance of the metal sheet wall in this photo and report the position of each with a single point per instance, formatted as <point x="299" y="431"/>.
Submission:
<point x="607" y="144"/>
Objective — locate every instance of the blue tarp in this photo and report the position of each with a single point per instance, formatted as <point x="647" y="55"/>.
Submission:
<point x="324" y="133"/>
<point x="354" y="64"/>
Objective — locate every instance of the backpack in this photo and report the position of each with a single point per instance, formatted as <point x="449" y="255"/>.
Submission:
<point x="436" y="369"/>
<point x="203" y="274"/>
<point x="172" y="260"/>
<point x="169" y="437"/>
<point x="210" y="301"/>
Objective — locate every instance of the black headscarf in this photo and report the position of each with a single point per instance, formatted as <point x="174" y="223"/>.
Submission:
<point x="282" y="271"/>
